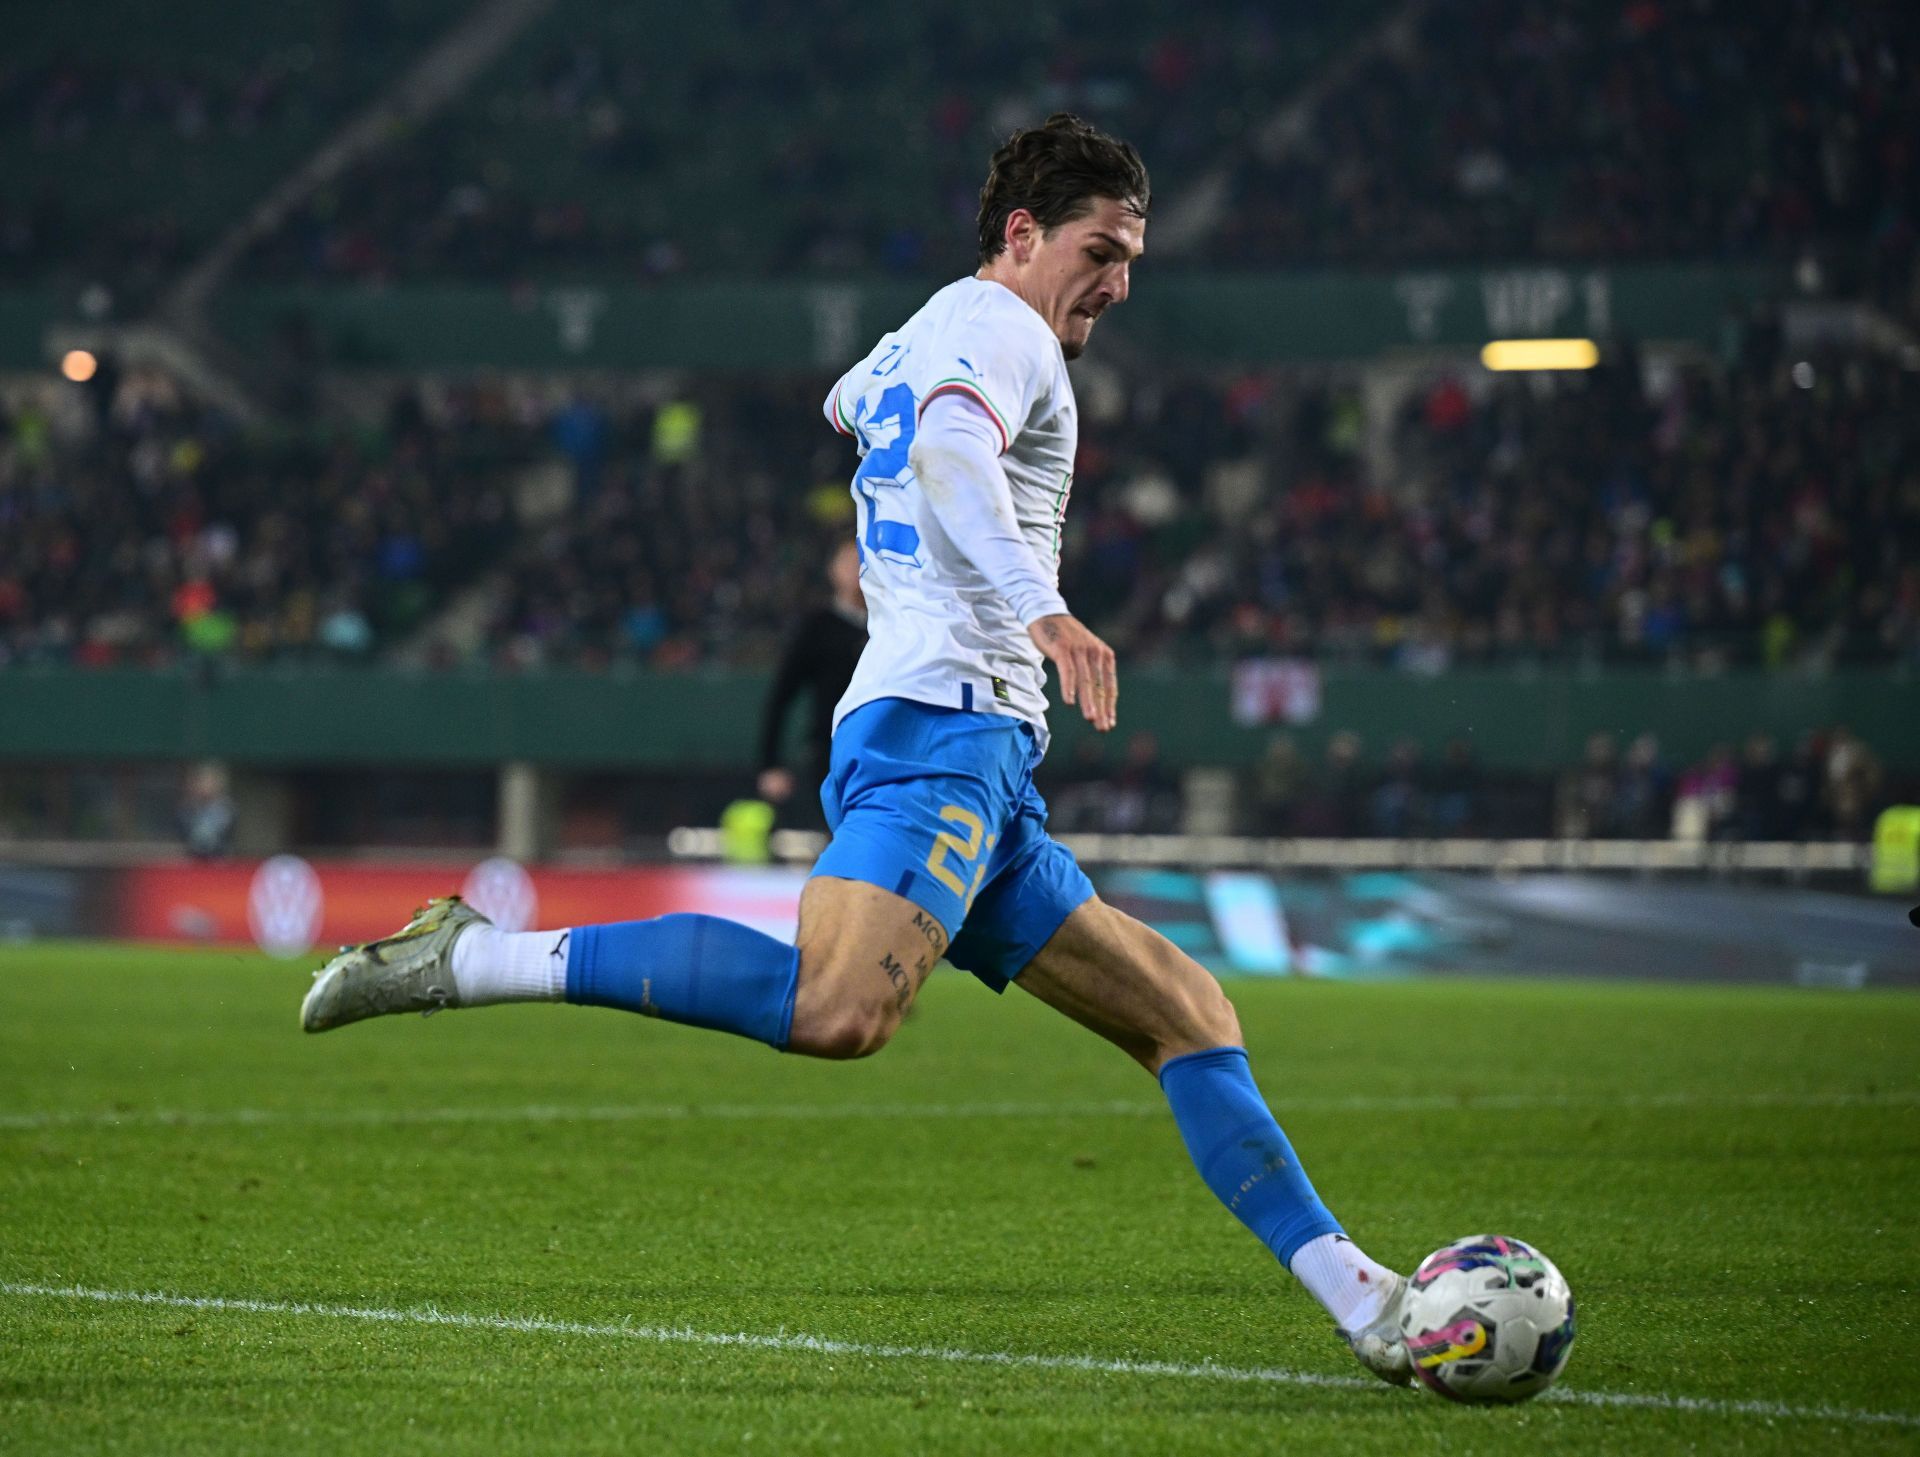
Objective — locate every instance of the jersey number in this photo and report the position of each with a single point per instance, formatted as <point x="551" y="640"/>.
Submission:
<point x="947" y="843"/>
<point x="888" y="434"/>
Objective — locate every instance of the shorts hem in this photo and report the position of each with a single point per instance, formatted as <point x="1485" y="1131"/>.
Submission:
<point x="997" y="981"/>
<point x="910" y="885"/>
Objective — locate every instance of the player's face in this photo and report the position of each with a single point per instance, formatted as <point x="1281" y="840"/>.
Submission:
<point x="1080" y="270"/>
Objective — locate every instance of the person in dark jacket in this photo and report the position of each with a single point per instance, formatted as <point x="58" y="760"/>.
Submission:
<point x="817" y="662"/>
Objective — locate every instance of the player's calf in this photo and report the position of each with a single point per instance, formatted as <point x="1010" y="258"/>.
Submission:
<point x="1127" y="982"/>
<point x="1133" y="986"/>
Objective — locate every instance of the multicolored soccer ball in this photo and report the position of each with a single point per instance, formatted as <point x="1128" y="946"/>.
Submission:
<point x="1488" y="1318"/>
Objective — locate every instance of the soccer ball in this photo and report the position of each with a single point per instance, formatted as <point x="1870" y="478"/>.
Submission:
<point x="1488" y="1318"/>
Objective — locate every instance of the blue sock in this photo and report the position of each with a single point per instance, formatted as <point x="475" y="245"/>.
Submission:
<point x="1241" y="1152"/>
<point x="699" y="970"/>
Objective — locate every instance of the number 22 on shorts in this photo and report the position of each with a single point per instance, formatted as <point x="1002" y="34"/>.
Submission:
<point x="947" y="842"/>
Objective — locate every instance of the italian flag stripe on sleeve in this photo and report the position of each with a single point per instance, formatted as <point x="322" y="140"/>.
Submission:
<point x="839" y="417"/>
<point x="968" y="388"/>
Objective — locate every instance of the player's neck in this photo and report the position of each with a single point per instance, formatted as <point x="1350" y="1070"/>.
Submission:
<point x="1002" y="273"/>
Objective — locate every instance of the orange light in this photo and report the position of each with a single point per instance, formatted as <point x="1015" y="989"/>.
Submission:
<point x="79" y="366"/>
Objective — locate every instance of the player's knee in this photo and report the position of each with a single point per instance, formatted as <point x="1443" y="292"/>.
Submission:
<point x="845" y="1032"/>
<point x="1197" y="1016"/>
<point x="1214" y="1019"/>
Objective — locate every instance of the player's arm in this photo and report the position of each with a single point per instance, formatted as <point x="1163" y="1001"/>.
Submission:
<point x="956" y="458"/>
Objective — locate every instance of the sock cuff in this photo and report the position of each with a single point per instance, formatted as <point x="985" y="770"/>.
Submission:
<point x="1207" y="1057"/>
<point x="1299" y="1232"/>
<point x="581" y="957"/>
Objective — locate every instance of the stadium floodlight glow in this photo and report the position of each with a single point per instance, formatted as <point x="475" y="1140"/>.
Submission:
<point x="78" y="365"/>
<point x="1506" y="354"/>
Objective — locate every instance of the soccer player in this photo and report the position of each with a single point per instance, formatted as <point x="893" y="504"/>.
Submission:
<point x="965" y="425"/>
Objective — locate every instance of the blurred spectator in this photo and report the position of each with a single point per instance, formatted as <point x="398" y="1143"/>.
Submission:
<point x="1642" y="808"/>
<point x="1457" y="785"/>
<point x="1333" y="803"/>
<point x="1590" y="794"/>
<point x="1801" y="789"/>
<point x="206" y="813"/>
<point x="1705" y="796"/>
<point x="1142" y="796"/>
<point x="1278" y="781"/>
<point x="1758" y="809"/>
<point x="817" y="664"/>
<point x="1075" y="785"/>
<point x="1398" y="804"/>
<point x="1853" y="786"/>
<point x="1138" y="796"/>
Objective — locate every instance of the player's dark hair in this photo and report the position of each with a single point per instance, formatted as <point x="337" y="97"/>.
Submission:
<point x="1056" y="171"/>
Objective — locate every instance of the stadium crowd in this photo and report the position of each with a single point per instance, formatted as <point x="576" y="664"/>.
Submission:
<point x="1483" y="129"/>
<point x="131" y="136"/>
<point x="144" y="528"/>
<point x="1765" y="514"/>
<point x="1607" y="130"/>
<point x="1768" y="514"/>
<point x="624" y="145"/>
<point x="1828" y="785"/>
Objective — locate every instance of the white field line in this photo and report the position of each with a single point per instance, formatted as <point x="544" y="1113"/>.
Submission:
<point x="832" y="1112"/>
<point x="821" y="1345"/>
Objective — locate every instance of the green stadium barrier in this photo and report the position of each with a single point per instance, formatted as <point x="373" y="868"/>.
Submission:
<point x="1198" y="319"/>
<point x="283" y="716"/>
<point x="1195" y="319"/>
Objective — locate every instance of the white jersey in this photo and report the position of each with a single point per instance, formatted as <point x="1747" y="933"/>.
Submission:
<point x="937" y="631"/>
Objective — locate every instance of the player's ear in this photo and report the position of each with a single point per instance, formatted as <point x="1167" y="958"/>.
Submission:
<point x="1023" y="233"/>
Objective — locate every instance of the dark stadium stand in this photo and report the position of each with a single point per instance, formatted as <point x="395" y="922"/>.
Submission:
<point x="1602" y="130"/>
<point x="627" y="143"/>
<point x="130" y="134"/>
<point x="616" y="143"/>
<point x="1482" y="130"/>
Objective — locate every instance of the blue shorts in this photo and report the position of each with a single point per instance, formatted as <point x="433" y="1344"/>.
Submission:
<point x="938" y="805"/>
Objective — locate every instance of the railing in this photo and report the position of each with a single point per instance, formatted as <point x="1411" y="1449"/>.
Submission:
<point x="1796" y="860"/>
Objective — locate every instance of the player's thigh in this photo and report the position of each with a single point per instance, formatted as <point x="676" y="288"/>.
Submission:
<point x="1133" y="986"/>
<point x="864" y="953"/>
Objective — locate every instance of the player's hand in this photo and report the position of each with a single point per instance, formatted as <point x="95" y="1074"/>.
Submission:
<point x="1088" y="677"/>
<point x="776" y="785"/>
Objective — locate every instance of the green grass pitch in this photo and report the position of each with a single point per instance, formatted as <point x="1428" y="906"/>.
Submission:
<point x="1728" y="1178"/>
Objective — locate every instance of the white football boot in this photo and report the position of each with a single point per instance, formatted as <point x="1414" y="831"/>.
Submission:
<point x="1380" y="1345"/>
<point x="409" y="971"/>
